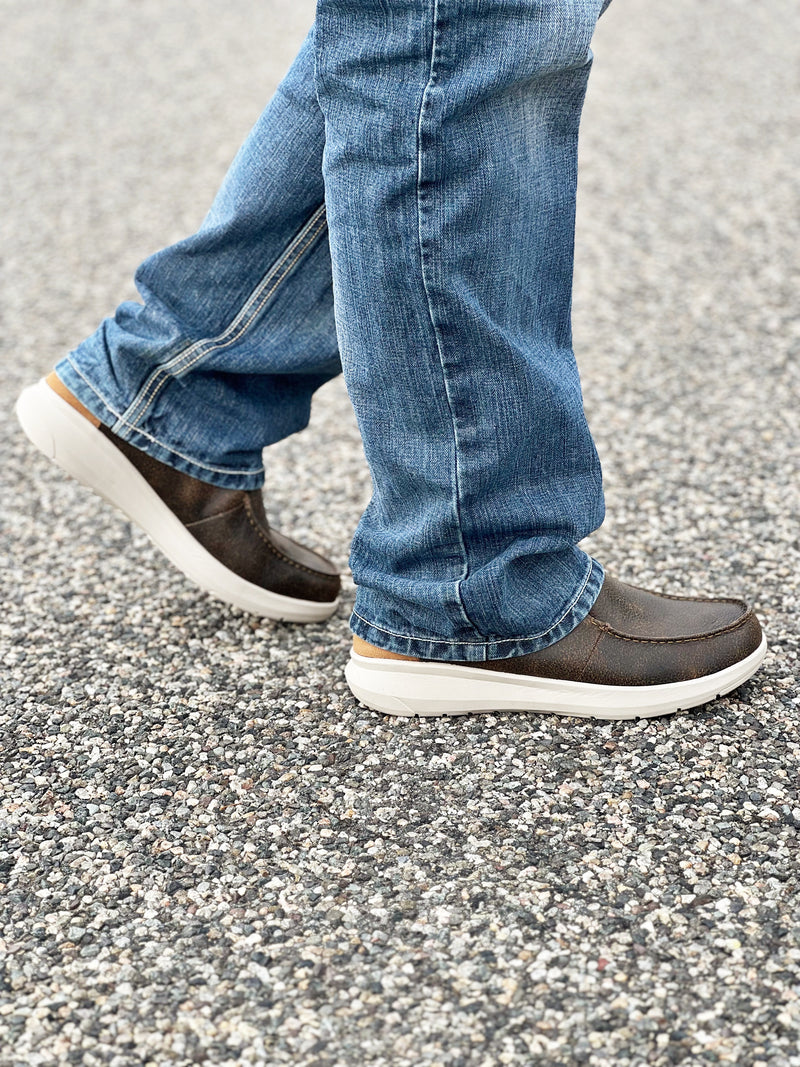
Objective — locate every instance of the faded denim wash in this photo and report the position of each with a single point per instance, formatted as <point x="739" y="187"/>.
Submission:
<point x="403" y="211"/>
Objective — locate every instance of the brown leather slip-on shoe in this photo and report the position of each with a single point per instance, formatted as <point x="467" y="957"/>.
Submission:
<point x="636" y="654"/>
<point x="219" y="538"/>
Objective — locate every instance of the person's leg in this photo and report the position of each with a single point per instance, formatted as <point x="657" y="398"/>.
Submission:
<point x="450" y="168"/>
<point x="234" y="334"/>
<point x="236" y="327"/>
<point x="450" y="172"/>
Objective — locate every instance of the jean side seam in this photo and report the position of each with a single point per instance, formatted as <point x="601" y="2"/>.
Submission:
<point x="424" y="105"/>
<point x="492" y="640"/>
<point x="252" y="307"/>
<point x="243" y="320"/>
<point x="241" y="323"/>
<point x="161" y="444"/>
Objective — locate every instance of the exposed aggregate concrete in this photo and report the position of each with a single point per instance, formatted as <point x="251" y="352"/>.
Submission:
<point x="209" y="852"/>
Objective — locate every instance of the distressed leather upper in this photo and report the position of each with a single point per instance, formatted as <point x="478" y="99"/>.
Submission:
<point x="232" y="525"/>
<point x="634" y="637"/>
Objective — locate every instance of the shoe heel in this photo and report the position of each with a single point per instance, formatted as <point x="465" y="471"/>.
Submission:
<point x="399" y="689"/>
<point x="36" y="429"/>
<point x="65" y="436"/>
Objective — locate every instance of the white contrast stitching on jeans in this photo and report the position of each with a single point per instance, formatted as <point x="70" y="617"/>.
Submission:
<point x="168" y="448"/>
<point x="186" y="359"/>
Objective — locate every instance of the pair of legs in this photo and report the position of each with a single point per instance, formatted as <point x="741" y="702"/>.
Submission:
<point x="403" y="211"/>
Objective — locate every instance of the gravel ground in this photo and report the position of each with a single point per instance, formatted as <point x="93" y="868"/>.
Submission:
<point x="209" y="852"/>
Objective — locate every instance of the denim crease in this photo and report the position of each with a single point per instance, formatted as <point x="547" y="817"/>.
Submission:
<point x="403" y="211"/>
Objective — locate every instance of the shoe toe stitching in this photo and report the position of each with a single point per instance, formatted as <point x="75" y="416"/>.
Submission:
<point x="742" y="604"/>
<point x="280" y="555"/>
<point x="709" y="636"/>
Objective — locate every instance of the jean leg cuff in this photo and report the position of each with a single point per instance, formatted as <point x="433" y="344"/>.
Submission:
<point x="490" y="648"/>
<point x="93" y="400"/>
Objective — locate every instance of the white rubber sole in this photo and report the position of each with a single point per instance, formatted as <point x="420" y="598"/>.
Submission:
<point x="72" y="442"/>
<point x="400" y="687"/>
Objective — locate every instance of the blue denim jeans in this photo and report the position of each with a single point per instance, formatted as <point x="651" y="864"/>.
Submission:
<point x="403" y="211"/>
